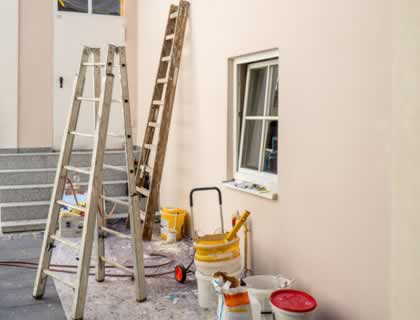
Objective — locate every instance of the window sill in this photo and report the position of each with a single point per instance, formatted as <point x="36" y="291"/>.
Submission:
<point x="233" y="184"/>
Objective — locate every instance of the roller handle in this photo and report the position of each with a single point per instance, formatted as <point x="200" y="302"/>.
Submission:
<point x="205" y="189"/>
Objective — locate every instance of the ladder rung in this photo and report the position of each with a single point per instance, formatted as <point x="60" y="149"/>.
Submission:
<point x="163" y="80"/>
<point x="70" y="205"/>
<point x="65" y="242"/>
<point x="88" y="99"/>
<point x="55" y="276"/>
<point x="146" y="168"/>
<point x="116" y="168"/>
<point x="113" y="200"/>
<point x="117" y="265"/>
<point x="167" y="58"/>
<point x="142" y="215"/>
<point x="116" y="233"/>
<point x="154" y="124"/>
<point x="157" y="102"/>
<point x="143" y="191"/>
<point x="173" y="15"/>
<point x="94" y="64"/>
<point x="150" y="146"/>
<point x="116" y="134"/>
<point x="170" y="37"/>
<point x="82" y="134"/>
<point x="116" y="101"/>
<point x="78" y="170"/>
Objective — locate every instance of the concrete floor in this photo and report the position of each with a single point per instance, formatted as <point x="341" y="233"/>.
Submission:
<point x="115" y="299"/>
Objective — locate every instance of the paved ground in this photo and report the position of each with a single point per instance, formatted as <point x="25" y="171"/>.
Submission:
<point x="16" y="302"/>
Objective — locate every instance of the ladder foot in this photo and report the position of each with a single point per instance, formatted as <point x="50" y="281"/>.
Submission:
<point x="142" y="300"/>
<point x="38" y="297"/>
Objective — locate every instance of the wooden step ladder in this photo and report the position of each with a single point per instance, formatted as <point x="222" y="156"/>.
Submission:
<point x="94" y="228"/>
<point x="149" y="171"/>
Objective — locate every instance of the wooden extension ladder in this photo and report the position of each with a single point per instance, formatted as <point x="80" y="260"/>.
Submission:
<point x="149" y="171"/>
<point x="94" y="228"/>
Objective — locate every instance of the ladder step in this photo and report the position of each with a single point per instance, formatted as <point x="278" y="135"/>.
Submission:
<point x="116" y="233"/>
<point x="71" y="205"/>
<point x="113" y="200"/>
<point x="163" y="80"/>
<point x="150" y="146"/>
<point x="92" y="135"/>
<point x="117" y="265"/>
<point x="52" y="274"/>
<point x="154" y="124"/>
<point x="173" y="15"/>
<point x="143" y="191"/>
<point x="78" y="170"/>
<point x="157" y="102"/>
<point x="146" y="168"/>
<point x="116" y="168"/>
<point x="98" y="64"/>
<point x="170" y="37"/>
<point x="65" y="242"/>
<point x="88" y="99"/>
<point x="167" y="58"/>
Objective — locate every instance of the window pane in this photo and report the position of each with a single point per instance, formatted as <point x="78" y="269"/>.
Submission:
<point x="73" y="5"/>
<point x="270" y="150"/>
<point x="111" y="7"/>
<point x="256" y="91"/>
<point x="274" y="96"/>
<point x="251" y="144"/>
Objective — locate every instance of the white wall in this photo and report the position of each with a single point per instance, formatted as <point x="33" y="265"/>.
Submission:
<point x="405" y="258"/>
<point x="330" y="228"/>
<point x="9" y="74"/>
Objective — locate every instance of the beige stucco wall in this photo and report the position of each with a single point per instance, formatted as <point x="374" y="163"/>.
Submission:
<point x="35" y="74"/>
<point x="330" y="227"/>
<point x="405" y="262"/>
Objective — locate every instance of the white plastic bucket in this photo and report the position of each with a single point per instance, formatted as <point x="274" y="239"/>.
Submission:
<point x="260" y="287"/>
<point x="285" y="315"/>
<point x="207" y="297"/>
<point x="210" y="268"/>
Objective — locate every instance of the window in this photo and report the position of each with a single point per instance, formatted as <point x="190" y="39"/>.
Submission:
<point x="256" y="118"/>
<point x="107" y="7"/>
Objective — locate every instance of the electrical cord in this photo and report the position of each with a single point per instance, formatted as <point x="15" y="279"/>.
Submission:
<point x="59" y="267"/>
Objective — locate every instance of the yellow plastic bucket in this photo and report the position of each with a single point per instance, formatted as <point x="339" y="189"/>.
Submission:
<point x="172" y="219"/>
<point x="214" y="248"/>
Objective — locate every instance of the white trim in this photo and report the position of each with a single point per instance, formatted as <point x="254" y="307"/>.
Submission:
<point x="263" y="178"/>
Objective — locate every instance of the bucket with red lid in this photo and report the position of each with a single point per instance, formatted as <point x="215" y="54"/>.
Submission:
<point x="292" y="304"/>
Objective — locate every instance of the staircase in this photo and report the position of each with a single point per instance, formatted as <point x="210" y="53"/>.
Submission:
<point x="26" y="181"/>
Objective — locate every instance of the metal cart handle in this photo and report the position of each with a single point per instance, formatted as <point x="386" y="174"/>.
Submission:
<point x="192" y="205"/>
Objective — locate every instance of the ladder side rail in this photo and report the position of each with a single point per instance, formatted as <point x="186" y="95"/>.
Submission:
<point x="133" y="197"/>
<point x="79" y="299"/>
<point x="59" y="182"/>
<point x="173" y="73"/>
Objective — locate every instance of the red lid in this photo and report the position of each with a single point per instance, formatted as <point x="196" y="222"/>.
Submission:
<point x="293" y="301"/>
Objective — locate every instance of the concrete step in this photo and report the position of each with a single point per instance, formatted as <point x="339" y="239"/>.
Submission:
<point x="50" y="159"/>
<point x="46" y="176"/>
<point x="37" y="224"/>
<point x="32" y="210"/>
<point x="42" y="192"/>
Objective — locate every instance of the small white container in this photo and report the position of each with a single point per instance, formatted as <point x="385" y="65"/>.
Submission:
<point x="289" y="304"/>
<point x="260" y="287"/>
<point x="207" y="297"/>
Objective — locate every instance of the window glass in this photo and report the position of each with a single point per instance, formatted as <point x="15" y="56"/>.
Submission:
<point x="274" y="96"/>
<point x="252" y="144"/>
<point x="73" y="5"/>
<point x="110" y="7"/>
<point x="270" y="150"/>
<point x="256" y="92"/>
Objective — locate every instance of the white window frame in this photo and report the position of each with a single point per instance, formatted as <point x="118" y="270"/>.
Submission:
<point x="90" y="10"/>
<point x="266" y="58"/>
